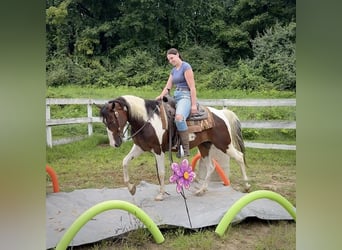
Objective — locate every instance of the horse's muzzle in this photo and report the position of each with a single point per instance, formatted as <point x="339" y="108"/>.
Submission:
<point x="117" y="142"/>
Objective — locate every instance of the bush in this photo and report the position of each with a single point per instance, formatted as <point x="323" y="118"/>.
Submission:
<point x="219" y="79"/>
<point x="57" y="71"/>
<point x="243" y="77"/>
<point x="274" y="56"/>
<point x="247" y="78"/>
<point x="203" y="59"/>
<point x="250" y="134"/>
<point x="63" y="70"/>
<point x="136" y="69"/>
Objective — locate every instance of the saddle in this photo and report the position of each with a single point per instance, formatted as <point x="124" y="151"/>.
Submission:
<point x="196" y="123"/>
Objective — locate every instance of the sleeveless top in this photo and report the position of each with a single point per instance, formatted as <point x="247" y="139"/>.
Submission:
<point x="178" y="77"/>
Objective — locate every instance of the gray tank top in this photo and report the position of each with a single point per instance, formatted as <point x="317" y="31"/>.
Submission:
<point x="178" y="78"/>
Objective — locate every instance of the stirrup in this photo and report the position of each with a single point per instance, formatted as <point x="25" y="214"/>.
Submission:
<point x="180" y="152"/>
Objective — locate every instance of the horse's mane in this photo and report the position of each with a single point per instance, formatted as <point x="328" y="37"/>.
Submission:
<point x="139" y="108"/>
<point x="103" y="112"/>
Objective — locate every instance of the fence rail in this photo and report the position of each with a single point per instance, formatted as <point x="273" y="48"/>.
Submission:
<point x="224" y="103"/>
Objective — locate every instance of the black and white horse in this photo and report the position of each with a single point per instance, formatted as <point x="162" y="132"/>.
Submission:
<point x="149" y="135"/>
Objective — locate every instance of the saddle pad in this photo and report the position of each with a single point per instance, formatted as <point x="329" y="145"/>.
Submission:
<point x="193" y="125"/>
<point x="200" y="125"/>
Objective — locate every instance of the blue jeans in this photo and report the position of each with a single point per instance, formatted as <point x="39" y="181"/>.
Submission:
<point x="183" y="107"/>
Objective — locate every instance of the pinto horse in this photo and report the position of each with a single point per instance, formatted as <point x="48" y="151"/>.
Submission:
<point x="149" y="134"/>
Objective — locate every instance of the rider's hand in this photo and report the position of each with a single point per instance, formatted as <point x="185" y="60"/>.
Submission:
<point x="194" y="109"/>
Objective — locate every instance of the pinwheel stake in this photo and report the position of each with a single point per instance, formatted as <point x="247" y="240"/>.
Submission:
<point x="182" y="176"/>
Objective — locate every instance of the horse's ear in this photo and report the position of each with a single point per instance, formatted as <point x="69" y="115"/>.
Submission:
<point x="98" y="105"/>
<point x="121" y="105"/>
<point x="111" y="105"/>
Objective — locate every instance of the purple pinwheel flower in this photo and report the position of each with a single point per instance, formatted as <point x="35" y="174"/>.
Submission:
<point x="182" y="175"/>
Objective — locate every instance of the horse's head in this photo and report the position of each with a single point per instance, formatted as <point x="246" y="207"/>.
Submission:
<point x="114" y="116"/>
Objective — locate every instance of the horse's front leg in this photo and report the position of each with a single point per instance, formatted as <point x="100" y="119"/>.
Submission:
<point x="160" y="160"/>
<point x="133" y="153"/>
<point x="210" y="169"/>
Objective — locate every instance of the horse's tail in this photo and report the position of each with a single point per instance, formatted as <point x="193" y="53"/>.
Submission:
<point x="236" y="132"/>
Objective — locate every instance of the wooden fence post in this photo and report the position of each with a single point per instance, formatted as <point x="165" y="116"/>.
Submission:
<point x="90" y="118"/>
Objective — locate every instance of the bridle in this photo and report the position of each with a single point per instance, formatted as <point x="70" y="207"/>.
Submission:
<point x="116" y="120"/>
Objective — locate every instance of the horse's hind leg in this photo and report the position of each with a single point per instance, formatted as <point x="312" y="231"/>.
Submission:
<point x="133" y="153"/>
<point x="238" y="156"/>
<point x="210" y="169"/>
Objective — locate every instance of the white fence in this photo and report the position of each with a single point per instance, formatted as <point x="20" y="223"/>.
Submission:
<point x="90" y="119"/>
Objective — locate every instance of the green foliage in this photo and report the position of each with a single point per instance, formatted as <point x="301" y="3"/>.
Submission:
<point x="275" y="56"/>
<point x="220" y="79"/>
<point x="137" y="69"/>
<point x="250" y="134"/>
<point x="63" y="70"/>
<point x="57" y="15"/>
<point x="92" y="42"/>
<point x="242" y="77"/>
<point x="246" y="78"/>
<point x="198" y="240"/>
<point x="138" y="238"/>
<point x="281" y="136"/>
<point x="289" y="133"/>
<point x="266" y="113"/>
<point x="234" y="42"/>
<point x="203" y="59"/>
<point x="271" y="113"/>
<point x="273" y="65"/>
<point x="58" y="71"/>
<point x="151" y="91"/>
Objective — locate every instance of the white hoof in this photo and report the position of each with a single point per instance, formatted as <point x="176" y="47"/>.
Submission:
<point x="159" y="197"/>
<point x="247" y="187"/>
<point x="200" y="192"/>
<point x="131" y="188"/>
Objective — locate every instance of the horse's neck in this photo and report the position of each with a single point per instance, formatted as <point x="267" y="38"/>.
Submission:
<point x="135" y="123"/>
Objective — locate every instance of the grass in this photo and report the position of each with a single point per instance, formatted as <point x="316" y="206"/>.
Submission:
<point x="91" y="163"/>
<point x="75" y="91"/>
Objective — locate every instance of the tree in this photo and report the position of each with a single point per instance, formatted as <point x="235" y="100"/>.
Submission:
<point x="275" y="55"/>
<point x="244" y="19"/>
<point x="87" y="39"/>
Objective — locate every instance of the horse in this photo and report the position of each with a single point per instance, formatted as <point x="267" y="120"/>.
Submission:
<point x="150" y="134"/>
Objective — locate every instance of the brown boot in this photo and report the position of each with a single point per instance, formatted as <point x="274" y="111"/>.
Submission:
<point x="184" y="139"/>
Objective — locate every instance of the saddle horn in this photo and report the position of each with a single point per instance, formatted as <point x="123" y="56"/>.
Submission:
<point x="170" y="100"/>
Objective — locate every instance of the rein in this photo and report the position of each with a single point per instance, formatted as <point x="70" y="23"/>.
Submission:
<point x="139" y="130"/>
<point x="142" y="127"/>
